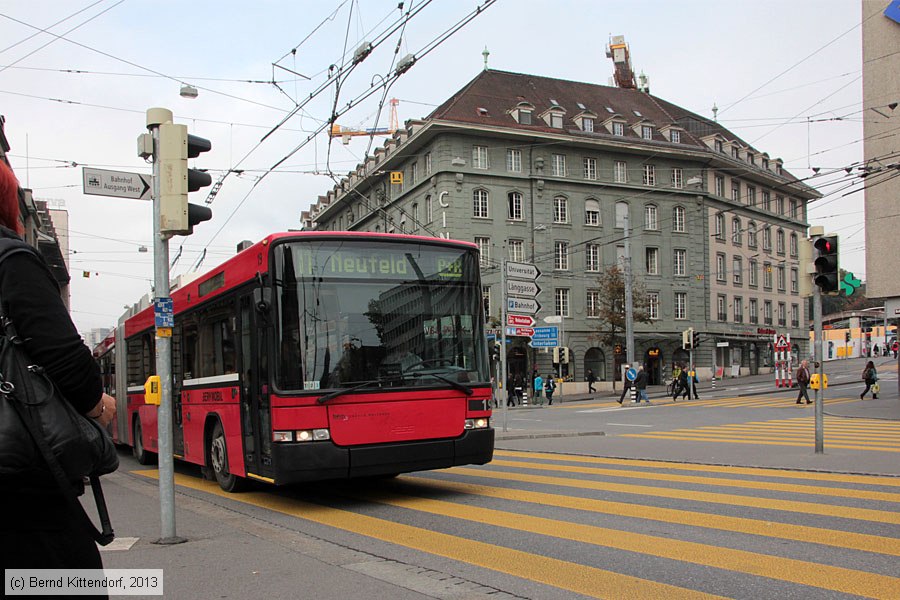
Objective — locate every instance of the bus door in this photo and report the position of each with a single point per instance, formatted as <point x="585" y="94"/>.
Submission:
<point x="184" y="352"/>
<point x="255" y="421"/>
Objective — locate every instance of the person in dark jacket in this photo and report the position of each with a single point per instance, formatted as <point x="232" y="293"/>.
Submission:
<point x="870" y="377"/>
<point x="641" y="384"/>
<point x="626" y="385"/>
<point x="37" y="527"/>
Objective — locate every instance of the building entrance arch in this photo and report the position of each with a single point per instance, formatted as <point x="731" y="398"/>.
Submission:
<point x="595" y="360"/>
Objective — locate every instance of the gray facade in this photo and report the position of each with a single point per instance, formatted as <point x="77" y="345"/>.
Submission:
<point x="552" y="189"/>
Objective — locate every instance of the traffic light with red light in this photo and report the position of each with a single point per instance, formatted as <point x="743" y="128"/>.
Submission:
<point x="827" y="274"/>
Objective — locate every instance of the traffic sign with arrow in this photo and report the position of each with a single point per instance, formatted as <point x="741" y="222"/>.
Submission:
<point x="118" y="184"/>
<point x="521" y="320"/>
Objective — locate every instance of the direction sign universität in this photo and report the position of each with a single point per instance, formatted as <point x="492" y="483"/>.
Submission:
<point x="118" y="184"/>
<point x="522" y="270"/>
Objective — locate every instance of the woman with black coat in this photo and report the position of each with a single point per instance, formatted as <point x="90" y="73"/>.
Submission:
<point x="37" y="527"/>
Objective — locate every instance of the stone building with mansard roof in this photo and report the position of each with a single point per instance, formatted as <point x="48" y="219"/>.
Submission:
<point x="542" y="170"/>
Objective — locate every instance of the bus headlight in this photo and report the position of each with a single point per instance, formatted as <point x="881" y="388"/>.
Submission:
<point x="310" y="435"/>
<point x="479" y="423"/>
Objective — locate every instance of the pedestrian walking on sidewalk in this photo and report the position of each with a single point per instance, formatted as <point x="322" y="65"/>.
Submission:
<point x="692" y="382"/>
<point x="803" y="381"/>
<point x="626" y="385"/>
<point x="549" y="388"/>
<point x="591" y="379"/>
<point x="870" y="376"/>
<point x="538" y="388"/>
<point x="641" y="384"/>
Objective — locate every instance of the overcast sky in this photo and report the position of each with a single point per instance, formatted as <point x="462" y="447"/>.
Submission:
<point x="786" y="77"/>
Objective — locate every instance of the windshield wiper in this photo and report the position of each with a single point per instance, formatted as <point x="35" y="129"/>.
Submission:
<point x="455" y="384"/>
<point x="342" y="391"/>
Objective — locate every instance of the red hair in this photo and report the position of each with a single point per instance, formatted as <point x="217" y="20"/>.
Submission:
<point x="9" y="199"/>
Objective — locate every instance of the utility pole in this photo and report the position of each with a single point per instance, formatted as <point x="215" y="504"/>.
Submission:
<point x="629" y="298"/>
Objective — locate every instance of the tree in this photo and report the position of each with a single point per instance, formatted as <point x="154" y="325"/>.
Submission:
<point x="610" y="307"/>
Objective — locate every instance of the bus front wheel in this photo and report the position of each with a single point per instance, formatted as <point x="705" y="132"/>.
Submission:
<point x="143" y="456"/>
<point x="218" y="461"/>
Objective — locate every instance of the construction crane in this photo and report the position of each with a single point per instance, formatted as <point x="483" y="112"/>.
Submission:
<point x="617" y="50"/>
<point x="345" y="133"/>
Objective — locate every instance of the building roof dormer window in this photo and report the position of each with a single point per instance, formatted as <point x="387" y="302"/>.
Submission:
<point x="585" y="119"/>
<point x="522" y="112"/>
<point x="554" y="116"/>
<point x="671" y="133"/>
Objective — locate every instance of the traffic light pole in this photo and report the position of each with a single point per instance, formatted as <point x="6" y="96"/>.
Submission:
<point x="629" y="298"/>
<point x="820" y="369"/>
<point x="155" y="118"/>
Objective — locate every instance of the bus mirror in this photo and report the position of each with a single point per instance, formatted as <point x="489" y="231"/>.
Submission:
<point x="262" y="298"/>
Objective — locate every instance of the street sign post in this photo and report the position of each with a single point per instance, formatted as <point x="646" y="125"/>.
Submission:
<point x="118" y="184"/>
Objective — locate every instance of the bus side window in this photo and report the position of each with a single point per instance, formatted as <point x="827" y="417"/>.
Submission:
<point x="189" y="349"/>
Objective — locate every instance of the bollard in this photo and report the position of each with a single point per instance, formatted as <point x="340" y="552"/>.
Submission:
<point x="632" y="393"/>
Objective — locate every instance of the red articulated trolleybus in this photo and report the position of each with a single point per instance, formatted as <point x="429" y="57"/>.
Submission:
<point x="317" y="355"/>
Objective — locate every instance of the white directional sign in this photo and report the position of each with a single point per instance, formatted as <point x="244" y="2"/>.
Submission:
<point x="523" y="305"/>
<point x="119" y="184"/>
<point x="522" y="270"/>
<point x="522" y="288"/>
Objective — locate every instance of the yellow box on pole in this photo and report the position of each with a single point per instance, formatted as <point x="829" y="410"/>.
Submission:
<point x="152" y="390"/>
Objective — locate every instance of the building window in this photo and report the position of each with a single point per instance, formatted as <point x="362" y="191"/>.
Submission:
<point x="795" y="315"/>
<point x="428" y="164"/>
<point x="720" y="267"/>
<point x="735" y="152"/>
<point x="592" y="302"/>
<point x="649" y="175"/>
<point x="720" y="147"/>
<point x="754" y="275"/>
<point x="675" y="136"/>
<point x="484" y="250"/>
<point x="679" y="262"/>
<point x="653" y="305"/>
<point x="793" y="204"/>
<point x="779" y="241"/>
<point x="737" y="235"/>
<point x="677" y="178"/>
<point x="720" y="227"/>
<point x="779" y="204"/>
<point x="720" y="185"/>
<point x="754" y="311"/>
<point x="765" y="164"/>
<point x="681" y="305"/>
<point x="559" y="165"/>
<point x="618" y="128"/>
<point x="782" y="314"/>
<point x="587" y="124"/>
<point x="751" y="195"/>
<point x="736" y="192"/>
<point x="486" y="302"/>
<point x="767" y="201"/>
<point x="560" y="209"/>
<point x="647" y="132"/>
<point x="795" y="280"/>
<point x="590" y="167"/>
<point x="415" y="214"/>
<point x="517" y="250"/>
<point x="514" y="160"/>
<point x="620" y="172"/>
<point x="561" y="256"/>
<point x="751" y="158"/>
<point x="722" y="307"/>
<point x="767" y="238"/>
<point x="480" y="207"/>
<point x="780" y="277"/>
<point x="651" y="220"/>
<point x="751" y="234"/>
<point x="795" y="248"/>
<point x="678" y="219"/>
<point x="556" y="120"/>
<point x="514" y="206"/>
<point x="592" y="257"/>
<point x="767" y="276"/>
<point x="414" y="173"/>
<point x="524" y="117"/>
<point x="479" y="157"/>
<point x="621" y="214"/>
<point x="561" y="296"/>
<point x="737" y="270"/>
<point x="767" y="312"/>
<point x="429" y="208"/>
<point x="591" y="212"/>
<point x="652" y="261"/>
<point x="738" y="309"/>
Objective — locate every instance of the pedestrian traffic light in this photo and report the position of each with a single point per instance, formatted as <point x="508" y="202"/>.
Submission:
<point x="695" y="341"/>
<point x="176" y="180"/>
<point x="687" y="338"/>
<point x="826" y="263"/>
<point x="846" y="336"/>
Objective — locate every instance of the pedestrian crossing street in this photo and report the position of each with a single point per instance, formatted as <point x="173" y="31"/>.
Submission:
<point x="875" y="435"/>
<point x="542" y="525"/>
<point x="783" y="401"/>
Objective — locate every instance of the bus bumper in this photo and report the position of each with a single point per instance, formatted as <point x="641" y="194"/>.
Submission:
<point x="298" y="462"/>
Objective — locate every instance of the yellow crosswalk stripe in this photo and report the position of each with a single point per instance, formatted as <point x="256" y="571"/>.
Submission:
<point x="784" y="569"/>
<point x="697" y="438"/>
<point x="589" y="581"/>
<point x="768" y="528"/>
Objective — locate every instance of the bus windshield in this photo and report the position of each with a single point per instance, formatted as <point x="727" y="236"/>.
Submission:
<point x="390" y="313"/>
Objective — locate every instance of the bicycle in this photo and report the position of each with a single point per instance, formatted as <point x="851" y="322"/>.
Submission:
<point x="670" y="386"/>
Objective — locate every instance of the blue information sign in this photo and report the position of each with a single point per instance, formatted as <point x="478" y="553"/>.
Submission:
<point x="631" y="374"/>
<point x="545" y="333"/>
<point x="164" y="313"/>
